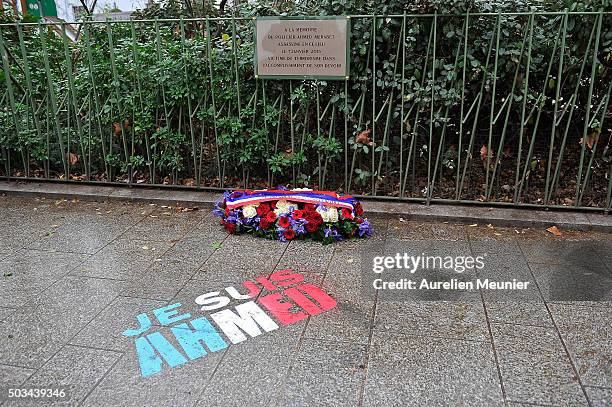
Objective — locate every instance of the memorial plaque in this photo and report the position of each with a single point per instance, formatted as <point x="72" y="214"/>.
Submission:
<point x="298" y="48"/>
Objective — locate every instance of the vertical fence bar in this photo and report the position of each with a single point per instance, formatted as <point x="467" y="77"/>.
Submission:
<point x="235" y="51"/>
<point x="373" y="175"/>
<point x="140" y="99"/>
<point x="53" y="98"/>
<point x="189" y="106"/>
<point x="493" y="94"/>
<point x="459" y="147"/>
<point x="292" y="131"/>
<point x="117" y="87"/>
<point x="72" y="92"/>
<point x="588" y="107"/>
<point x="553" y="131"/>
<point x="10" y="98"/>
<point x="431" y="111"/>
<point x="94" y="91"/>
<point x="403" y="99"/>
<point x="524" y="108"/>
<point x="30" y="89"/>
<point x="212" y="98"/>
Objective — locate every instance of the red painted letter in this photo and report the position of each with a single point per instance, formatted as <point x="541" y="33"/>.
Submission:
<point x="281" y="309"/>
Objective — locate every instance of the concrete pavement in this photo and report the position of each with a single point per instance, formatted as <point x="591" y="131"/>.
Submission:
<point x="74" y="276"/>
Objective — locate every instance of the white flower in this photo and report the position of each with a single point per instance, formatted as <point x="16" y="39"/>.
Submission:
<point x="249" y="211"/>
<point x="328" y="214"/>
<point x="284" y="207"/>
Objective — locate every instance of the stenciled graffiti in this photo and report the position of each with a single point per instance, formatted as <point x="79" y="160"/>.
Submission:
<point x="287" y="300"/>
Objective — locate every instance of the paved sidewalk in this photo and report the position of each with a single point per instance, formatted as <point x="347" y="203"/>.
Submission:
<point x="75" y="275"/>
<point x="468" y="214"/>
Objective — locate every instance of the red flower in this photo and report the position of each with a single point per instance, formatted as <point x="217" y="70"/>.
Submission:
<point x="314" y="217"/>
<point x="358" y="209"/>
<point x="264" y="223"/>
<point x="271" y="216"/>
<point x="347" y="214"/>
<point x="309" y="208"/>
<point x="298" y="214"/>
<point x="359" y="220"/>
<point x="289" y="233"/>
<point x="284" y="222"/>
<point x="226" y="211"/>
<point x="273" y="205"/>
<point x="263" y="209"/>
<point x="230" y="227"/>
<point x="311" y="227"/>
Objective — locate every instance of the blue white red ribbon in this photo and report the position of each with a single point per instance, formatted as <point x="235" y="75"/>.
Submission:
<point x="240" y="198"/>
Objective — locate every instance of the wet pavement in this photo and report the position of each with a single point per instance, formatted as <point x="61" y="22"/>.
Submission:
<point x="74" y="277"/>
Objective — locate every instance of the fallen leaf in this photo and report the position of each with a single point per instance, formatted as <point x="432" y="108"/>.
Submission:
<point x="73" y="158"/>
<point x="554" y="230"/>
<point x="145" y="247"/>
<point x="216" y="245"/>
<point x="117" y="129"/>
<point x="483" y="152"/>
<point x="8" y="273"/>
<point x="350" y="260"/>
<point x="363" y="137"/>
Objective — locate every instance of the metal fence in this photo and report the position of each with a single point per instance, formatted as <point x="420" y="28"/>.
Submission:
<point x="506" y="108"/>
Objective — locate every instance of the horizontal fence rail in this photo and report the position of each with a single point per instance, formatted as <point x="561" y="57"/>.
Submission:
<point x="506" y="108"/>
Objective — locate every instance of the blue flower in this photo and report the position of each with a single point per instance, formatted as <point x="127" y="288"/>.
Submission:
<point x="217" y="211"/>
<point x="365" y="228"/>
<point x="328" y="232"/>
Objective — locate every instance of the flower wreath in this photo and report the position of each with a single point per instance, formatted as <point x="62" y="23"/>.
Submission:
<point x="293" y="214"/>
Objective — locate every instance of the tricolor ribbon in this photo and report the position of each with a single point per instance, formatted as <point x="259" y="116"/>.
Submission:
<point x="239" y="198"/>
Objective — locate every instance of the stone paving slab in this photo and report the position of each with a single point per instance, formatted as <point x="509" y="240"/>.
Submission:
<point x="325" y="373"/>
<point x="82" y="271"/>
<point x="76" y="369"/>
<point x="407" y="370"/>
<point x="587" y="333"/>
<point x="534" y="367"/>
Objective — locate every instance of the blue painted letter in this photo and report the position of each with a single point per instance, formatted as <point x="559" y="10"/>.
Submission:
<point x="190" y="339"/>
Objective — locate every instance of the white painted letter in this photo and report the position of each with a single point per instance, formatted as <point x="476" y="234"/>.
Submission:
<point x="248" y="316"/>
